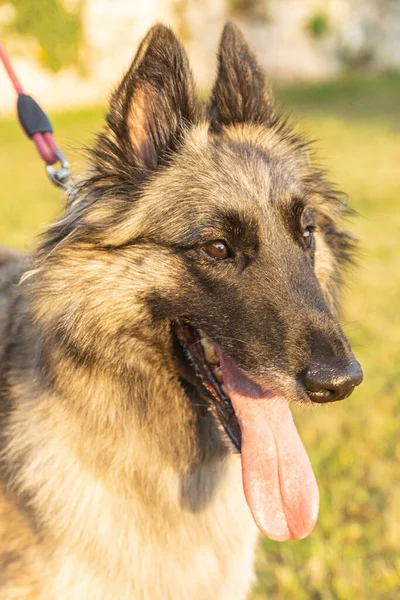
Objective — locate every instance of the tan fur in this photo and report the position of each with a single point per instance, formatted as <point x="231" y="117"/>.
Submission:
<point x="101" y="532"/>
<point x="113" y="517"/>
<point x="20" y="559"/>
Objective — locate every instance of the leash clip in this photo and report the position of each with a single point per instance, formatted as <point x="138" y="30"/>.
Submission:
<point x="61" y="177"/>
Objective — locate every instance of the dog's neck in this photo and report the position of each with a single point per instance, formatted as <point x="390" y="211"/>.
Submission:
<point x="102" y="457"/>
<point x="109" y="453"/>
<point x="123" y="427"/>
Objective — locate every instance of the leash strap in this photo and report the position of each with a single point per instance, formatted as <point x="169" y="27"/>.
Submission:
<point x="38" y="128"/>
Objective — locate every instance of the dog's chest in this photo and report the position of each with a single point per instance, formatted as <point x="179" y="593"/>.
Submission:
<point x="195" y="555"/>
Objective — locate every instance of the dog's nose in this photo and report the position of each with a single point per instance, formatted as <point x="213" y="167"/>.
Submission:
<point x="332" y="380"/>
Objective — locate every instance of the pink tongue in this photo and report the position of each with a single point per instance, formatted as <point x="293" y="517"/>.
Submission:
<point x="278" y="480"/>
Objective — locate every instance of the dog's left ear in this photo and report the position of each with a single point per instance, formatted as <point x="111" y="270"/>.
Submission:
<point x="155" y="102"/>
<point x="240" y="93"/>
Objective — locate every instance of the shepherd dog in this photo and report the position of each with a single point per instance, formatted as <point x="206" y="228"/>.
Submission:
<point x="154" y="339"/>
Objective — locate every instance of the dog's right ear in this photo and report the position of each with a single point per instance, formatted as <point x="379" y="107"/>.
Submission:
<point x="155" y="102"/>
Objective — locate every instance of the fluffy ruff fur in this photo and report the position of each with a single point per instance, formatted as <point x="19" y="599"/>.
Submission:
<point x="117" y="481"/>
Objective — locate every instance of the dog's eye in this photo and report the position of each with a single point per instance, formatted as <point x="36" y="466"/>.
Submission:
<point x="308" y="237"/>
<point x="217" y="249"/>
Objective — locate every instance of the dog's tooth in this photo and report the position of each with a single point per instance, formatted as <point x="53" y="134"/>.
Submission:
<point x="209" y="351"/>
<point x="224" y="389"/>
<point x="218" y="374"/>
<point x="205" y="342"/>
<point x="211" y="355"/>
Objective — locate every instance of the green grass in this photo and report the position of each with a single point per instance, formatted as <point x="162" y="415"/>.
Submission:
<point x="354" y="551"/>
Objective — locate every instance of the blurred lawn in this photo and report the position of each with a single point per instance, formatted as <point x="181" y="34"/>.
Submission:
<point x="354" y="552"/>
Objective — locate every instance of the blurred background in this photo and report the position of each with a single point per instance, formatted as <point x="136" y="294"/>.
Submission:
<point x="334" y="64"/>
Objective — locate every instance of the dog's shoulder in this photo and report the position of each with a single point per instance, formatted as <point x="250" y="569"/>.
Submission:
<point x="20" y="561"/>
<point x="7" y="255"/>
<point x="12" y="266"/>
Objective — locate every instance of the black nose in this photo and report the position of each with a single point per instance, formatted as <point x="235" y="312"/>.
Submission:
<point x="332" y="380"/>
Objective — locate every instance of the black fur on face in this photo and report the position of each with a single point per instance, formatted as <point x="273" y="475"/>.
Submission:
<point x="167" y="180"/>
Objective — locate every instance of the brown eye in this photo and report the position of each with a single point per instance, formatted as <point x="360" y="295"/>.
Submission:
<point x="218" y="250"/>
<point x="308" y="237"/>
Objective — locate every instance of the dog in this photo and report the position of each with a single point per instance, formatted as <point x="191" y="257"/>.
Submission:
<point x="152" y="343"/>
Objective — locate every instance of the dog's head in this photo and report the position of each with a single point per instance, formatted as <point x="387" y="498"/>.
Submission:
<point x="205" y="233"/>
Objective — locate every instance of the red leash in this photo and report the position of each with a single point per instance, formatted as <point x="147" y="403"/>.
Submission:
<point x="38" y="128"/>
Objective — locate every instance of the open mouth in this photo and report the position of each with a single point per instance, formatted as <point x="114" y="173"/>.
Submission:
<point x="204" y="359"/>
<point x="278" y="480"/>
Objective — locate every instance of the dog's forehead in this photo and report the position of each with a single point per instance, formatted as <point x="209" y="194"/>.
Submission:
<point x="246" y="164"/>
<point x="242" y="167"/>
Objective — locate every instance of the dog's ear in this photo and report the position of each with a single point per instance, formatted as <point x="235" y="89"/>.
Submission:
<point x="155" y="101"/>
<point x="240" y="92"/>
